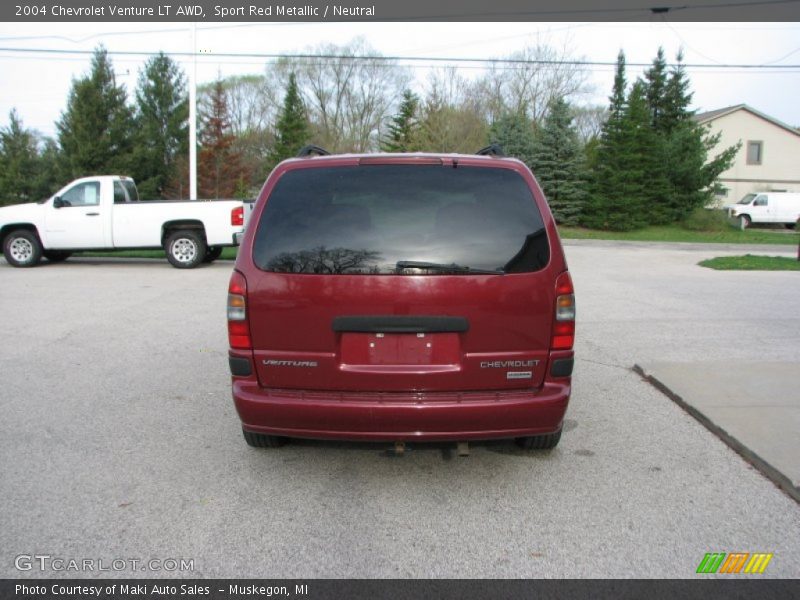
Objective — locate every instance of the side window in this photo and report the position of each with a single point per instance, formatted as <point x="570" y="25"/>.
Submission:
<point x="119" y="193"/>
<point x="755" y="151"/>
<point x="760" y="201"/>
<point x="83" y="194"/>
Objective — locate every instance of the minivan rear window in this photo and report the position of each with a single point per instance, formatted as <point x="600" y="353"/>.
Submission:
<point x="401" y="219"/>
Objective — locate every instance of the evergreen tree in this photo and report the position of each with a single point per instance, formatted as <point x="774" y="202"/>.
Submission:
<point x="292" y="130"/>
<point x="219" y="166"/>
<point x="403" y="128"/>
<point x="651" y="166"/>
<point x="684" y="160"/>
<point x="162" y="126"/>
<point x="27" y="171"/>
<point x="559" y="165"/>
<point x="615" y="200"/>
<point x="18" y="162"/>
<point x="513" y="132"/>
<point x="96" y="131"/>
<point x="656" y="84"/>
<point x="677" y="96"/>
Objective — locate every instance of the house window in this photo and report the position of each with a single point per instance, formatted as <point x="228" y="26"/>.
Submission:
<point x="754" y="153"/>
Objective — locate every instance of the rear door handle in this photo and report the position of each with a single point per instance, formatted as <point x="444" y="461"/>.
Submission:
<point x="92" y="214"/>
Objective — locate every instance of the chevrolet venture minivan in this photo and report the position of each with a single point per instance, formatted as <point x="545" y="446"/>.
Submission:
<point x="401" y="297"/>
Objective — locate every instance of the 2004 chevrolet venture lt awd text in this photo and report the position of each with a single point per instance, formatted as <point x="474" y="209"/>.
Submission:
<point x="401" y="297"/>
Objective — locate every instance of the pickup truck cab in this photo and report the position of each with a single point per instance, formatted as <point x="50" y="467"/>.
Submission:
<point x="105" y="213"/>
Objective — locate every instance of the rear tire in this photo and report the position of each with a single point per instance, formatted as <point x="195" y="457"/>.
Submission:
<point x="539" y="442"/>
<point x="212" y="254"/>
<point x="185" y="249"/>
<point x="22" y="248"/>
<point x="56" y="256"/>
<point x="259" y="440"/>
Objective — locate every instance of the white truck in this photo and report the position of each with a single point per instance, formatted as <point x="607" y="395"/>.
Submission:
<point x="766" y="207"/>
<point x="105" y="213"/>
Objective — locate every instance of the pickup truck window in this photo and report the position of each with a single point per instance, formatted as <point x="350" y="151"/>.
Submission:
<point x="83" y="194"/>
<point x="119" y="193"/>
<point x="130" y="187"/>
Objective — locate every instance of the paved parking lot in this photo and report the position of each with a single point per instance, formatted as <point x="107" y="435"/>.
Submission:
<point x="119" y="439"/>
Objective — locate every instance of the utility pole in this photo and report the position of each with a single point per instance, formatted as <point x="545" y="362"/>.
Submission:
<point x="193" y="118"/>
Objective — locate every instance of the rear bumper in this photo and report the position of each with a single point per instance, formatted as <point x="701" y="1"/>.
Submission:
<point x="406" y="417"/>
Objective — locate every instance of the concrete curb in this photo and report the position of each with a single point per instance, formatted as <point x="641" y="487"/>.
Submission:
<point x="790" y="247"/>
<point x="770" y="472"/>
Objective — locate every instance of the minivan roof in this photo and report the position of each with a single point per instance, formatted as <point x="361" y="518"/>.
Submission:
<point x="477" y="158"/>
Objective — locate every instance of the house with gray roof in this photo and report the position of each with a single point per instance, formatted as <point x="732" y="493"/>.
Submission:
<point x="769" y="157"/>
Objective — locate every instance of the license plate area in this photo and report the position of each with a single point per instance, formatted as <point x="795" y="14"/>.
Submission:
<point x="395" y="349"/>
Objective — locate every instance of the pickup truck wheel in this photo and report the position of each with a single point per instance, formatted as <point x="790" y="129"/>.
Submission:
<point x="22" y="248"/>
<point x="212" y="254"/>
<point x="744" y="221"/>
<point x="57" y="255"/>
<point x="185" y="249"/>
<point x="539" y="442"/>
<point x="259" y="440"/>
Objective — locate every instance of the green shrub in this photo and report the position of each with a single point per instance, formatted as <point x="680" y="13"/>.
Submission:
<point x="704" y="219"/>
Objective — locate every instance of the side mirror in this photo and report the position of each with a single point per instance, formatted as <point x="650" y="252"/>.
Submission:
<point x="58" y="202"/>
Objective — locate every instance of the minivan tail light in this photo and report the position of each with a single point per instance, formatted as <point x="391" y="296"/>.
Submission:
<point x="237" y="216"/>
<point x="564" y="314"/>
<point x="238" y="325"/>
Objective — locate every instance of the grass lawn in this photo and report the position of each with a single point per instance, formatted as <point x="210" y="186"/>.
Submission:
<point x="749" y="262"/>
<point x="674" y="233"/>
<point x="666" y="233"/>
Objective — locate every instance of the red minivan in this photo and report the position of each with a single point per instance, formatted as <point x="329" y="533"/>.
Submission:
<point x="401" y="297"/>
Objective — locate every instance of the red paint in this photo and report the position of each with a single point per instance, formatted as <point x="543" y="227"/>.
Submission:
<point x="401" y="386"/>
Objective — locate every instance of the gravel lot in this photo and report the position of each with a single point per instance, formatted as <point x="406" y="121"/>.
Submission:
<point x="119" y="439"/>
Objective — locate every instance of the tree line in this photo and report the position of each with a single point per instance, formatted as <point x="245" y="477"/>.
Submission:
<point x="643" y="160"/>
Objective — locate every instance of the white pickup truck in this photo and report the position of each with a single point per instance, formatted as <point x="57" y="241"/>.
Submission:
<point x="105" y="213"/>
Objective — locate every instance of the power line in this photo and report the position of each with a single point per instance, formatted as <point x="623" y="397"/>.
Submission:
<point x="378" y="59"/>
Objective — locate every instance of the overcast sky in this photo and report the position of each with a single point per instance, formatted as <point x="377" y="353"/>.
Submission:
<point x="38" y="84"/>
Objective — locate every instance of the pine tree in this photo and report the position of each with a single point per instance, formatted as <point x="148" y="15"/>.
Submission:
<point x="656" y="84"/>
<point x="558" y="164"/>
<point x="219" y="166"/>
<point x="648" y="186"/>
<point x="18" y="162"/>
<point x="402" y="136"/>
<point x="292" y="130"/>
<point x="96" y="132"/>
<point x="651" y="166"/>
<point x="615" y="200"/>
<point x="513" y="132"/>
<point x="691" y="175"/>
<point x="677" y="96"/>
<point x="162" y="126"/>
<point x="27" y="170"/>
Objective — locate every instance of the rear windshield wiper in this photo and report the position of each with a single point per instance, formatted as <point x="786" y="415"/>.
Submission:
<point x="451" y="267"/>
